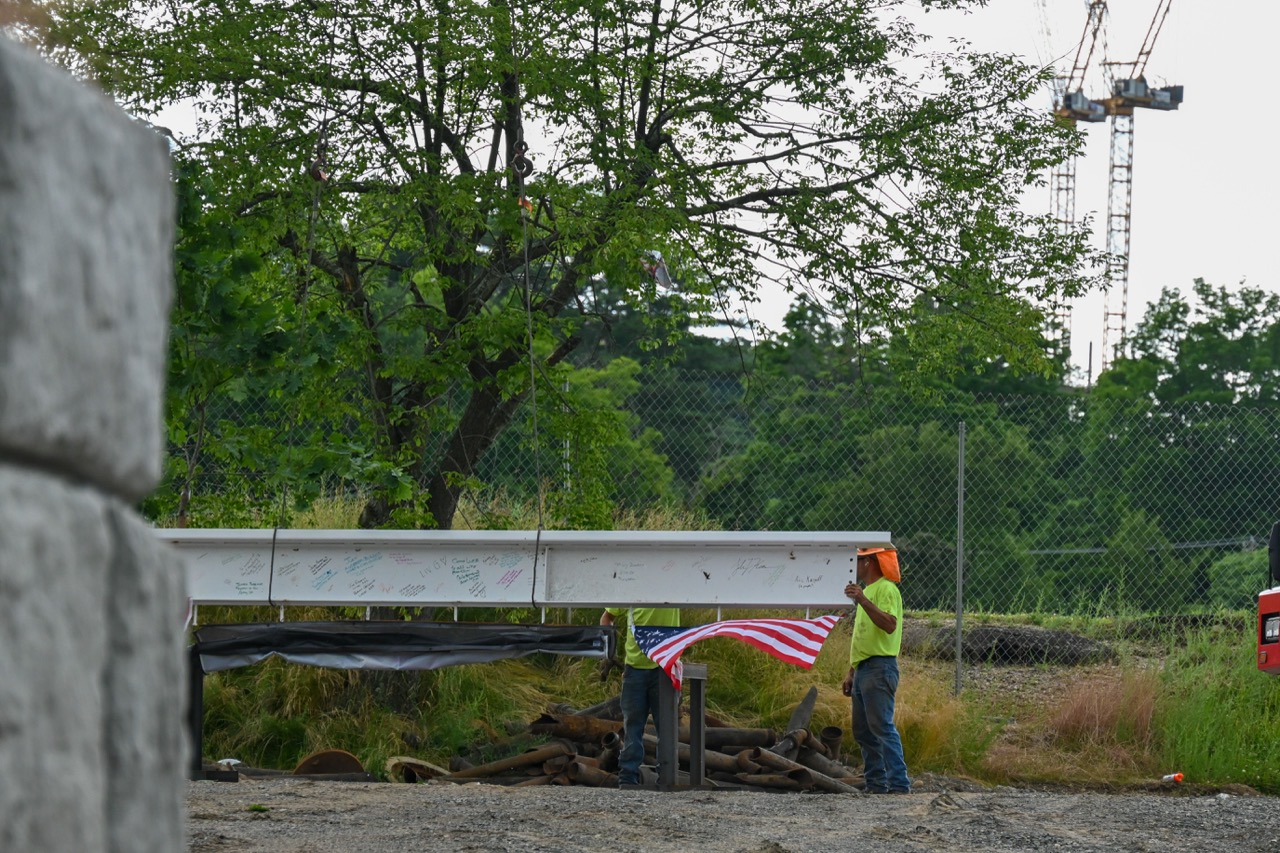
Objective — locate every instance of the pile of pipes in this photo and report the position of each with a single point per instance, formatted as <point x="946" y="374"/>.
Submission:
<point x="583" y="748"/>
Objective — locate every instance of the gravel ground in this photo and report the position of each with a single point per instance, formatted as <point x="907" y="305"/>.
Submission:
<point x="284" y="813"/>
<point x="288" y="814"/>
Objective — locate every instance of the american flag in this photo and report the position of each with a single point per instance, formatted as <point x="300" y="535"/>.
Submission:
<point x="795" y="641"/>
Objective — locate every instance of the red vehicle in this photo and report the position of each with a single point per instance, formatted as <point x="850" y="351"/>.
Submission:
<point x="1269" y="609"/>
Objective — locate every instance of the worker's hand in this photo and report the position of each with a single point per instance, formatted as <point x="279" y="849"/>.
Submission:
<point x="847" y="687"/>
<point x="852" y="590"/>
<point x="608" y="665"/>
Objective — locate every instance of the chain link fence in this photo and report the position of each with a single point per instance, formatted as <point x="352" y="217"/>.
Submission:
<point x="1070" y="503"/>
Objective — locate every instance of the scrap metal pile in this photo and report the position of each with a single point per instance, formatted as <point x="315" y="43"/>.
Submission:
<point x="583" y="747"/>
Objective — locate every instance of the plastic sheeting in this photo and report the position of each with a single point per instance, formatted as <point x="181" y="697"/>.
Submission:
<point x="392" y="645"/>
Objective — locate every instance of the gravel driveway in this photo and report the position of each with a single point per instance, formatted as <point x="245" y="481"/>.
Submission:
<point x="292" y="814"/>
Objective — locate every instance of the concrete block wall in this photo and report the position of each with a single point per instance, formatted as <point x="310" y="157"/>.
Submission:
<point x="93" y="751"/>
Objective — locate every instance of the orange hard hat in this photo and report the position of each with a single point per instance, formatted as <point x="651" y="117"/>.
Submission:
<point x="886" y="559"/>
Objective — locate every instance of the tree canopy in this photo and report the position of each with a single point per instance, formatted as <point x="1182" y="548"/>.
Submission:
<point x="1221" y="347"/>
<point x="443" y="198"/>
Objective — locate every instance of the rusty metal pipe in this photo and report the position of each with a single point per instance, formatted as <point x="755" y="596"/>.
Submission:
<point x="744" y="763"/>
<point x="574" y="727"/>
<point x="789" y="744"/>
<point x="820" y="780"/>
<point x="791" y="780"/>
<point x="506" y="780"/>
<point x="533" y="780"/>
<point x="610" y="749"/>
<point x="723" y="737"/>
<point x="712" y="760"/>
<point x="609" y="709"/>
<point x="718" y="738"/>
<point x="586" y="774"/>
<point x="552" y="766"/>
<point x="536" y="756"/>
<point x="815" y="760"/>
<point x="831" y="736"/>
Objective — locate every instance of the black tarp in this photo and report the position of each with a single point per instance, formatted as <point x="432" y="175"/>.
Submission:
<point x="374" y="645"/>
<point x="391" y="645"/>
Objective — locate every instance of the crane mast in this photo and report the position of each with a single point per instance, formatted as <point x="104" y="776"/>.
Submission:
<point x="1115" y="304"/>
<point x="1071" y="105"/>
<point x="1128" y="91"/>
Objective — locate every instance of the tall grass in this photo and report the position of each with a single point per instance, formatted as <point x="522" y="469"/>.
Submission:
<point x="1093" y="729"/>
<point x="941" y="732"/>
<point x="1218" y="716"/>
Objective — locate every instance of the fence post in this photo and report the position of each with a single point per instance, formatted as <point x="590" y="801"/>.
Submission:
<point x="565" y="448"/>
<point x="960" y="561"/>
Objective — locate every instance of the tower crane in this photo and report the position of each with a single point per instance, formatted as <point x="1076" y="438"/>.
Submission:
<point x="1129" y="91"/>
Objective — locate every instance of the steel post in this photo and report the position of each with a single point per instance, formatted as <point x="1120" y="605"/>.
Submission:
<point x="668" y="722"/>
<point x="696" y="675"/>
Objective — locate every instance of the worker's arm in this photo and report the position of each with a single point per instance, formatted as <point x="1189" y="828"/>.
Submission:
<point x="606" y="618"/>
<point x="886" y="622"/>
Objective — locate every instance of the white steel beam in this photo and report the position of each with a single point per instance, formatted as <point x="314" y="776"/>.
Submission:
<point x="510" y="568"/>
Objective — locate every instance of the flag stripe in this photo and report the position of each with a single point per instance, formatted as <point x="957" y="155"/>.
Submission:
<point x="810" y="633"/>
<point x="795" y="641"/>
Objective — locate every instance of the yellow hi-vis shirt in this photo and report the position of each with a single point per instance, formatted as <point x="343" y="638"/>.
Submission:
<point x="868" y="640"/>
<point x="662" y="616"/>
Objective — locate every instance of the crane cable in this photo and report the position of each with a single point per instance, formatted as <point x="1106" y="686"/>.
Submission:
<point x="522" y="167"/>
<point x="318" y="171"/>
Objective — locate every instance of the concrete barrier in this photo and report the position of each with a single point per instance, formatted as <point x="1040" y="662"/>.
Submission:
<point x="91" y="641"/>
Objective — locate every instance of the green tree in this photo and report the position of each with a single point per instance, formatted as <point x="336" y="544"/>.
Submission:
<point x="1175" y="455"/>
<point x="690" y="391"/>
<point x="1194" y="396"/>
<point x="604" y="458"/>
<point x="1226" y="349"/>
<point x="225" y="347"/>
<point x="375" y="155"/>
<point x="1235" y="580"/>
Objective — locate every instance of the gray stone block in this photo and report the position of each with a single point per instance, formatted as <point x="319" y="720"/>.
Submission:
<point x="92" y="674"/>
<point x="86" y="278"/>
<point x="146" y="745"/>
<point x="53" y="648"/>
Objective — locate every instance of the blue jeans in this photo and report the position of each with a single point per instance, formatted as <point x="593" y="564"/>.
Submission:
<point x="875" y="683"/>
<point x="639" y="700"/>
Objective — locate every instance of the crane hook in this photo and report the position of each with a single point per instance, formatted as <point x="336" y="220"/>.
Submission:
<point x="521" y="164"/>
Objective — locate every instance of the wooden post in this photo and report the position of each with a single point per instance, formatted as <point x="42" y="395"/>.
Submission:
<point x="195" y="713"/>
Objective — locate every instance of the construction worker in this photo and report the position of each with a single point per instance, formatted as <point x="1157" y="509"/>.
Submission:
<point x="872" y="682"/>
<point x="640" y="679"/>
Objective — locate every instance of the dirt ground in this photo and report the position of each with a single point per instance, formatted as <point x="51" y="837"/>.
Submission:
<point x="290" y="814"/>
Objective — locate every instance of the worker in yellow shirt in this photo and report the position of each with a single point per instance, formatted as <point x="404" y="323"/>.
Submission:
<point x="872" y="681"/>
<point x="640" y="680"/>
